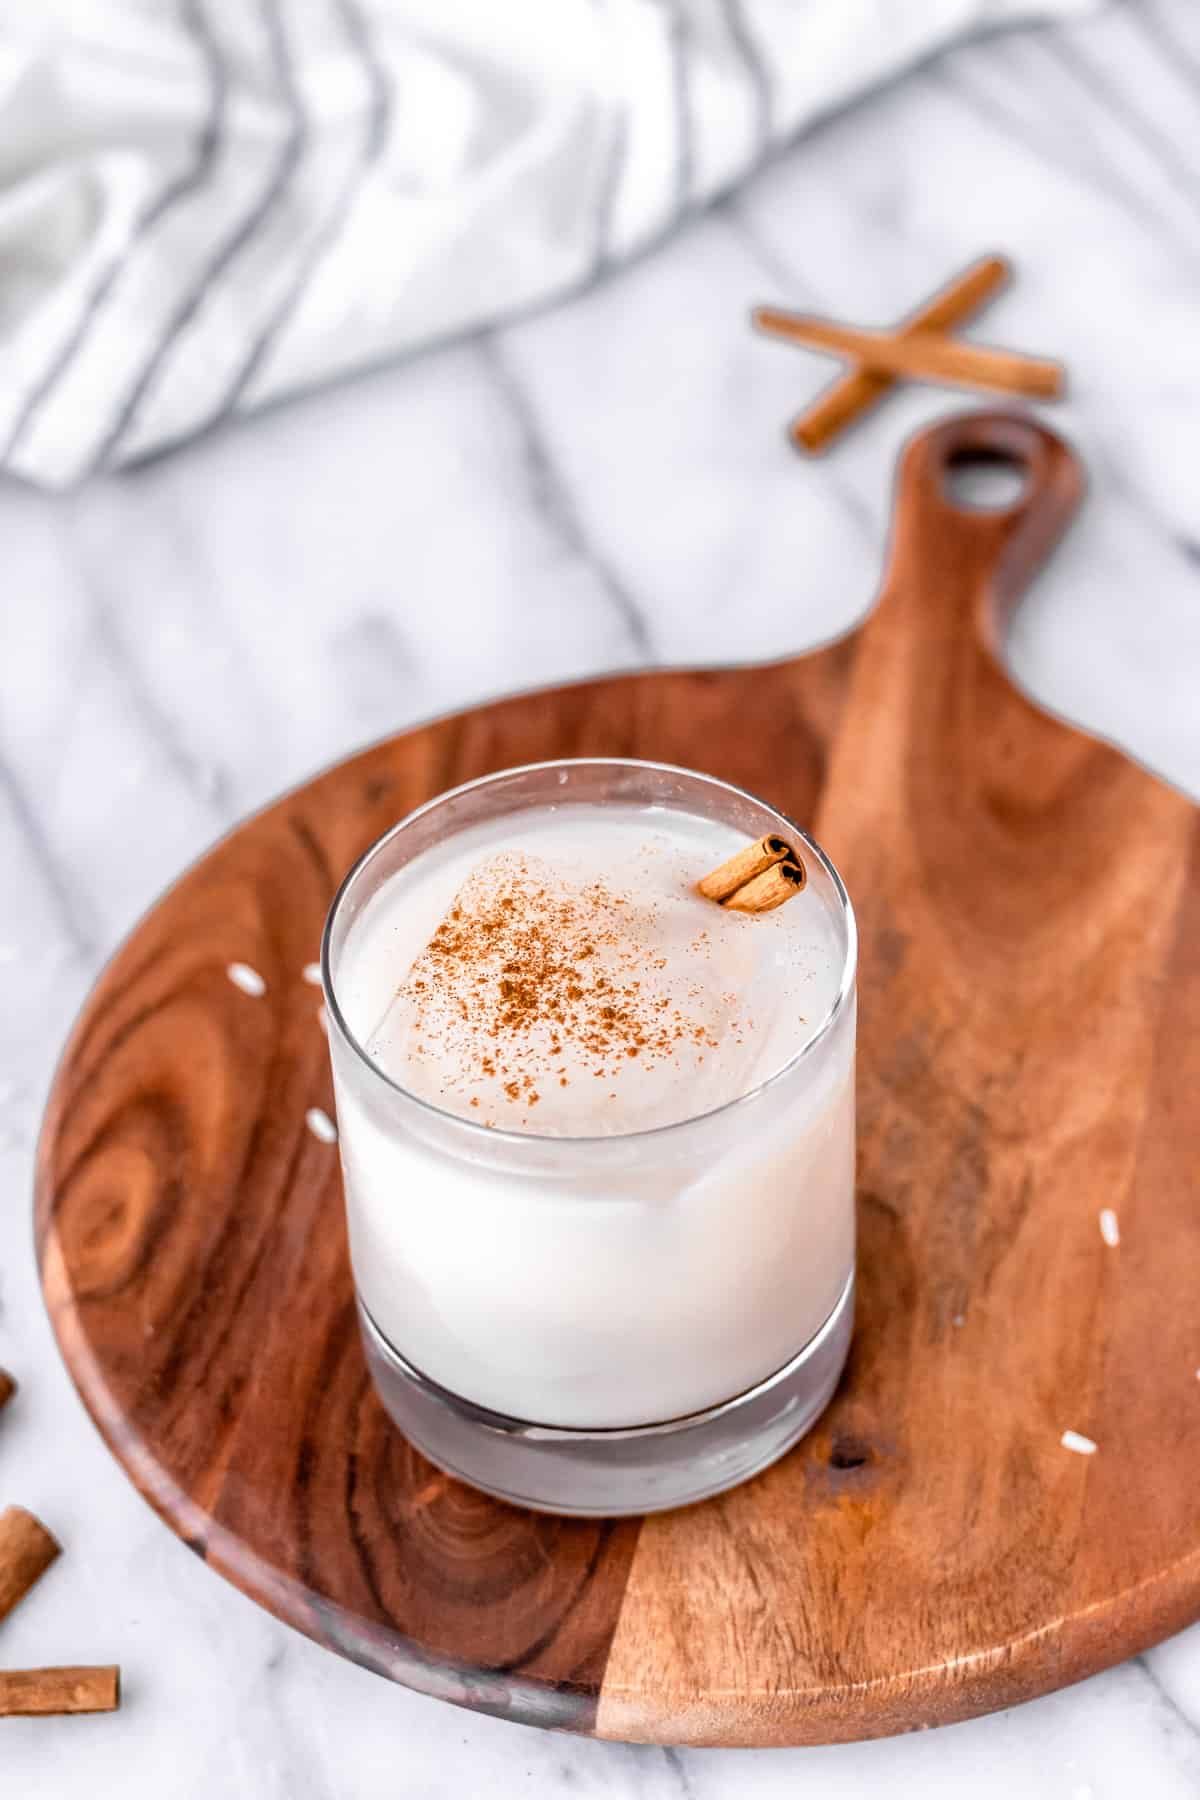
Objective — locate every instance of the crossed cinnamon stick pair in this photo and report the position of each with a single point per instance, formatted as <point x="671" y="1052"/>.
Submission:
<point x="26" y="1551"/>
<point x="920" y="349"/>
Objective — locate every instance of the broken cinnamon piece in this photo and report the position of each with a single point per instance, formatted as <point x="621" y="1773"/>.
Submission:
<point x="26" y="1551"/>
<point x="37" y="1692"/>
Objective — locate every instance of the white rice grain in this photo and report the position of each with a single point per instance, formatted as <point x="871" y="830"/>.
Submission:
<point x="312" y="974"/>
<point x="321" y="1125"/>
<point x="1110" y="1231"/>
<point x="246" y="978"/>
<point x="1075" y="1440"/>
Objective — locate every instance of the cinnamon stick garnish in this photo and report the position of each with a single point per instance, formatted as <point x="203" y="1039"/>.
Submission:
<point x="921" y="355"/>
<point x="756" y="879"/>
<point x="37" y="1692"/>
<point x="743" y="867"/>
<point x="8" y="1388"/>
<point x="26" y="1551"/>
<point x="768" y="890"/>
<point x="854" y="394"/>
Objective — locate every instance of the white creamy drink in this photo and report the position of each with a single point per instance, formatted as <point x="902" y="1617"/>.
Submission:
<point x="553" y="975"/>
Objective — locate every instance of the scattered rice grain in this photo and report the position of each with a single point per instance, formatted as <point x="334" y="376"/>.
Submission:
<point x="246" y="978"/>
<point x="1110" y="1231"/>
<point x="1075" y="1440"/>
<point x="321" y="1125"/>
<point x="312" y="974"/>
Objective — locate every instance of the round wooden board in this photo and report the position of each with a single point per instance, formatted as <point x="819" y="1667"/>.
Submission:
<point x="1030" y="1052"/>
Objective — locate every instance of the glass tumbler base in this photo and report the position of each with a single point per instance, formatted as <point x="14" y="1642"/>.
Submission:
<point x="646" y="1468"/>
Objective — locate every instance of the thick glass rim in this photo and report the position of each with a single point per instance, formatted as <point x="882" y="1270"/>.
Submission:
<point x="491" y="1134"/>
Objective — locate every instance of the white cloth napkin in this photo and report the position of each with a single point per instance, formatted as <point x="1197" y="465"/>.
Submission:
<point x="207" y="204"/>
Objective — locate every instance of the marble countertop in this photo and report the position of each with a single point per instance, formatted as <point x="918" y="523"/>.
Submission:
<point x="600" y="487"/>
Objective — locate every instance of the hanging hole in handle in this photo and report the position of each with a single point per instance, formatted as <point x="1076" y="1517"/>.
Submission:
<point x="985" y="481"/>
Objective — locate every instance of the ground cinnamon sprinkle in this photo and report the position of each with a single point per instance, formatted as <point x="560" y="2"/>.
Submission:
<point x="525" y="968"/>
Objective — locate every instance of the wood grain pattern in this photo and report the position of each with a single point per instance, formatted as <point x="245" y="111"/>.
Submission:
<point x="1030" y="922"/>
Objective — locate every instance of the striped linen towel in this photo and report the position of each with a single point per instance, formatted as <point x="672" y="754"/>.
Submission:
<point x="208" y="204"/>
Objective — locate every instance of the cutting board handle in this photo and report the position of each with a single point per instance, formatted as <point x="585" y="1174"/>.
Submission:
<point x="979" y="557"/>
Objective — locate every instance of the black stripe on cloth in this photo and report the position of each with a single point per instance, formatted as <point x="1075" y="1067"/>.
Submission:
<point x="606" y="194"/>
<point x="288" y="160"/>
<point x="758" y="75"/>
<point x="378" y="120"/>
<point x="678" y="37"/>
<point x="193" y="21"/>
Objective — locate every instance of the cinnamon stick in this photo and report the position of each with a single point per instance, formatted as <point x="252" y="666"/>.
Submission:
<point x="854" y="394"/>
<point x="8" y="1388"/>
<point x="26" y="1552"/>
<point x="743" y="867"/>
<point x="921" y="355"/>
<point x="36" y="1692"/>
<point x="756" y="879"/>
<point x="768" y="890"/>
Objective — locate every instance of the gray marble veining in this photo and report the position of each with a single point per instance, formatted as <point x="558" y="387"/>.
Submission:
<point x="590" y="489"/>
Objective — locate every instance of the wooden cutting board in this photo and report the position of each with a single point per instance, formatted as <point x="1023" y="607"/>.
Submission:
<point x="1030" y="1054"/>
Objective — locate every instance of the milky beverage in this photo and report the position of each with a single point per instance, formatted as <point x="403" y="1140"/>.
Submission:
<point x="553" y="973"/>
